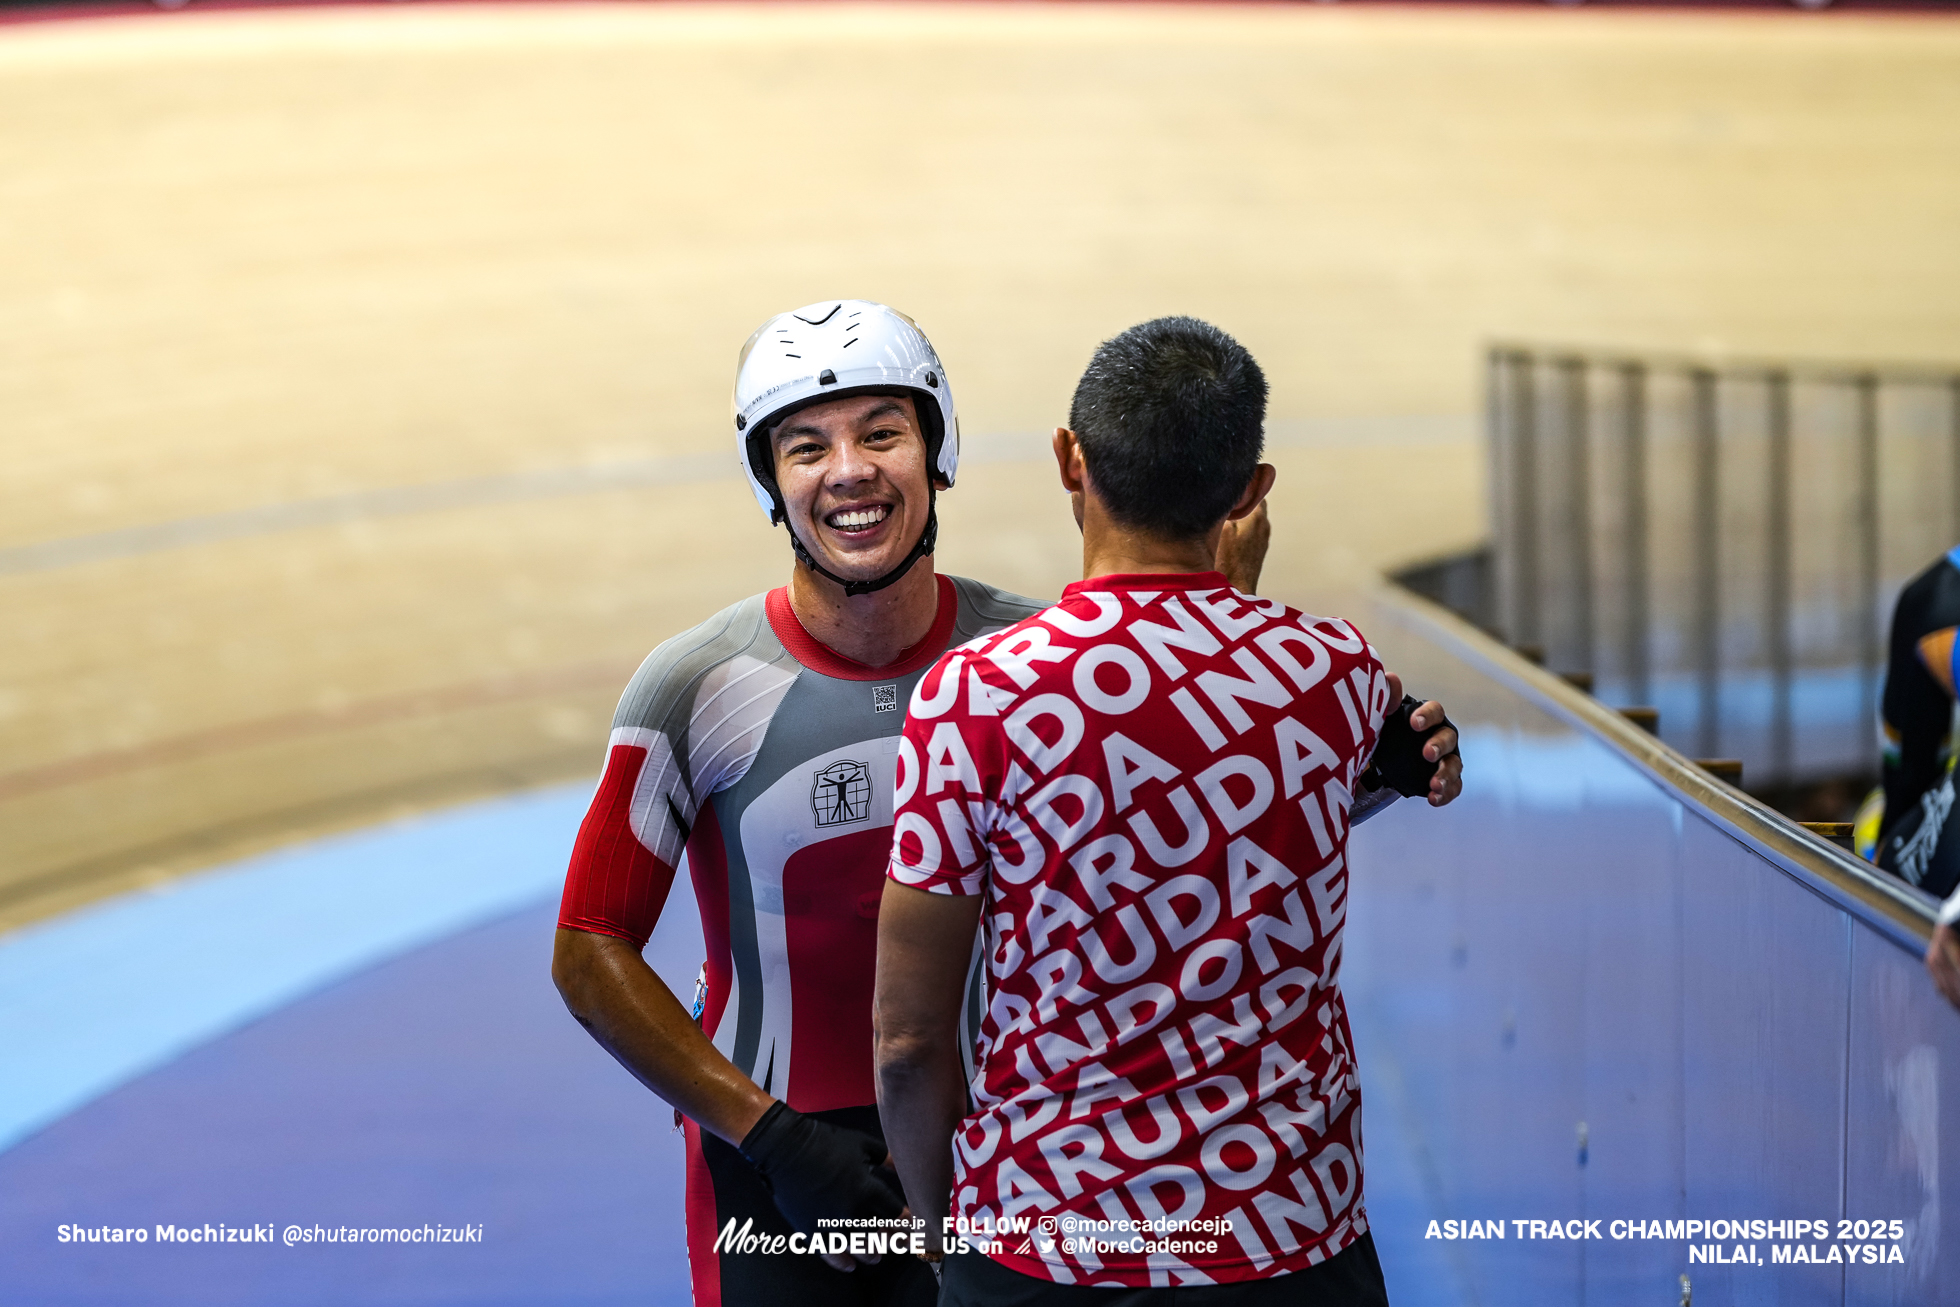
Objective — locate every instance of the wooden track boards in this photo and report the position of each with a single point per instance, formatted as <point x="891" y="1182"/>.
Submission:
<point x="268" y="259"/>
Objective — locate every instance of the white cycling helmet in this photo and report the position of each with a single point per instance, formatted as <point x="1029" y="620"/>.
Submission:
<point x="833" y="350"/>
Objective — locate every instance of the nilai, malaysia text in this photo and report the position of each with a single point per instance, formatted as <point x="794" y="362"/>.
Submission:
<point x="1813" y="1241"/>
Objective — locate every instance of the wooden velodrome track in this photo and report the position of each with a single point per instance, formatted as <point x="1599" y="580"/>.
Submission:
<point x="363" y="372"/>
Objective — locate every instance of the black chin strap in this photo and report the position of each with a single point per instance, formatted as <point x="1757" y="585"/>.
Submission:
<point x="928" y="540"/>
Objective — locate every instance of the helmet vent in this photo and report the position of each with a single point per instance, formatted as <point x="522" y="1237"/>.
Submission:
<point x="826" y="378"/>
<point x="932" y="379"/>
<point x="741" y="423"/>
<point x="818" y="322"/>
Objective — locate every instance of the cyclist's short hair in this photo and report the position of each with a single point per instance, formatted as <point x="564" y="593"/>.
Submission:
<point x="1171" y="418"/>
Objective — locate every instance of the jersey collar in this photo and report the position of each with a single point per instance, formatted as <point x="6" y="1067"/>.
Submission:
<point x="1149" y="581"/>
<point x="826" y="661"/>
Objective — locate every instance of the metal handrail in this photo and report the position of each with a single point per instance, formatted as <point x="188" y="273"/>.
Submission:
<point x="1542" y="429"/>
<point x="1902" y="914"/>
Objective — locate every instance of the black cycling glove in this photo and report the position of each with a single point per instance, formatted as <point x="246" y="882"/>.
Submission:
<point x="817" y="1169"/>
<point x="1398" y="762"/>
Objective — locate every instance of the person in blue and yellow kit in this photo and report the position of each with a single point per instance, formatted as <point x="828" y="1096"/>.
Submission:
<point x="1908" y="827"/>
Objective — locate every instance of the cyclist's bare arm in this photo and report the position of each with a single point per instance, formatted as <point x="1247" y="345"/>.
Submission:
<point x="618" y="998"/>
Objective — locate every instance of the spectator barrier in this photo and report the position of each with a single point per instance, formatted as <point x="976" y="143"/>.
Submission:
<point x="1605" y="987"/>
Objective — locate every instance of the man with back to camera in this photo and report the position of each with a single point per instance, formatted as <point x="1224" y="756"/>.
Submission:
<point x="763" y="743"/>
<point x="1141" y="795"/>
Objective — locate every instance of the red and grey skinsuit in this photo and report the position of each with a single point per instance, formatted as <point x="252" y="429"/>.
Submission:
<point x="768" y="761"/>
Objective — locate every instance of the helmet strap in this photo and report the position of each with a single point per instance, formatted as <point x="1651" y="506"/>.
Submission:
<point x="928" y="541"/>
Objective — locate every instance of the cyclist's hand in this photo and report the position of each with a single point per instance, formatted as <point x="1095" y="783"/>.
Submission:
<point x="815" y="1169"/>
<point x="1440" y="748"/>
<point x="1446" y="782"/>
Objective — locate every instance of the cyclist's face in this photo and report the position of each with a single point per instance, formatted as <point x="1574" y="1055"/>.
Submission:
<point x="853" y="477"/>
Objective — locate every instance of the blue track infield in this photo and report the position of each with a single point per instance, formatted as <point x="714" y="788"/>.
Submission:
<point x="447" y="1088"/>
<point x="363" y="1034"/>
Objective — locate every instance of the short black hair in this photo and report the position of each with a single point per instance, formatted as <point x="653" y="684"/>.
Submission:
<point x="1171" y="418"/>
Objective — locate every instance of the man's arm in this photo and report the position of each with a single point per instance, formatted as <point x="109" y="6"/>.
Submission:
<point x="1241" y="556"/>
<point x="622" y="1003"/>
<point x="924" y="944"/>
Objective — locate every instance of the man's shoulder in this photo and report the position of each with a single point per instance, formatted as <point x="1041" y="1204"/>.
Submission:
<point x="985" y="609"/>
<point x="1199" y="640"/>
<point x="995" y="613"/>
<point x="1234" y="616"/>
<point x="1338" y="633"/>
<point x="667" y="680"/>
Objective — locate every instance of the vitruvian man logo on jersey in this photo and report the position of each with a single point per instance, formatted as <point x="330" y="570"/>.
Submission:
<point x="841" y="793"/>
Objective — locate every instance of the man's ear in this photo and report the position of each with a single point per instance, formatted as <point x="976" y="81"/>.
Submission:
<point x="1068" y="460"/>
<point x="1255" y="490"/>
<point x="1075" y="476"/>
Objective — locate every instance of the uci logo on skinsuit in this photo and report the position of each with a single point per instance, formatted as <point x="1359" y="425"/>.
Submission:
<point x="841" y="793"/>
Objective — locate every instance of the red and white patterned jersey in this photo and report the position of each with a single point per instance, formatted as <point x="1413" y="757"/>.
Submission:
<point x="1150" y="783"/>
